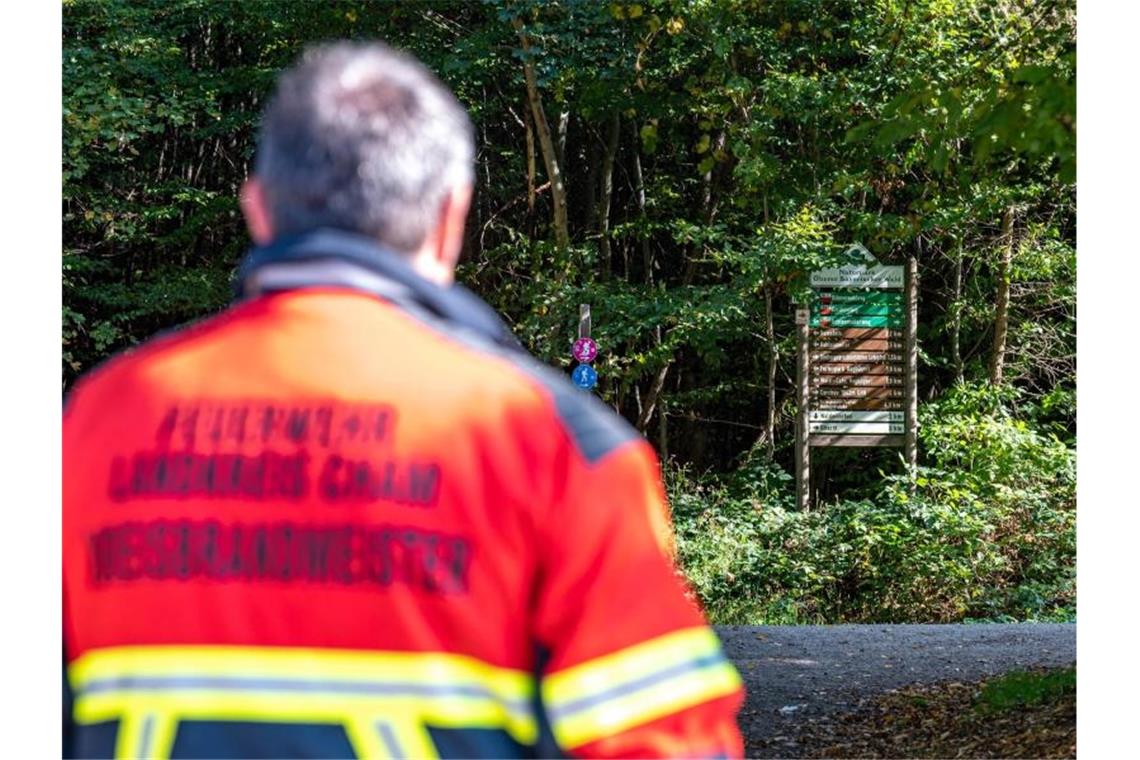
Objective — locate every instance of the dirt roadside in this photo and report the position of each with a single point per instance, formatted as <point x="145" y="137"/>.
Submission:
<point x="794" y="674"/>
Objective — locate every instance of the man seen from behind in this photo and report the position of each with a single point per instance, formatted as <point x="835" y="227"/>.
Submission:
<point x="349" y="516"/>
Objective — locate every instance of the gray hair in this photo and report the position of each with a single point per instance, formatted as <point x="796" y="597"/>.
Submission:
<point x="363" y="138"/>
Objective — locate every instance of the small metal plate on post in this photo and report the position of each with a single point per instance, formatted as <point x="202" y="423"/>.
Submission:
<point x="802" y="316"/>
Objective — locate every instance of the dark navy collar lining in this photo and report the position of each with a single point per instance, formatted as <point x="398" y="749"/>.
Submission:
<point x="457" y="312"/>
<point x="455" y="304"/>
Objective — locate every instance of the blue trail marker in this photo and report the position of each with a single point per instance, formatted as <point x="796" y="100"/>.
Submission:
<point x="585" y="350"/>
<point x="584" y="377"/>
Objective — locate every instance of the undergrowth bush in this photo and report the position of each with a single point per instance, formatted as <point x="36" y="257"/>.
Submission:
<point x="983" y="530"/>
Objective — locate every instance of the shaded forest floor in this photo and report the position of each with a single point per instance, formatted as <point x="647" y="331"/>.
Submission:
<point x="955" y="720"/>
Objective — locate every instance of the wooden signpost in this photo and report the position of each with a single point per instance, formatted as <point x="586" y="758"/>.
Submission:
<point x="855" y="370"/>
<point x="584" y="351"/>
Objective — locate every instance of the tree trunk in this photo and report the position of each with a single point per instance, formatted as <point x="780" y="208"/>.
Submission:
<point x="546" y="143"/>
<point x="773" y="359"/>
<point x="773" y="354"/>
<point x="651" y="398"/>
<point x="803" y="449"/>
<point x="612" y="134"/>
<point x="1001" y="317"/>
<point x="639" y="187"/>
<point x="956" y="318"/>
<point x="663" y="428"/>
<point x="593" y="161"/>
<point x="563" y="126"/>
<point x="530" y="167"/>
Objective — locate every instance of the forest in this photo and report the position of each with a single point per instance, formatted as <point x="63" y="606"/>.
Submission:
<point x="681" y="166"/>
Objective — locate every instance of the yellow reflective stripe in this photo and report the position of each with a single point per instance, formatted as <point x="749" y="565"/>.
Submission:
<point x="364" y="739"/>
<point x="360" y="690"/>
<point x="630" y="711"/>
<point x="395" y="737"/>
<point x="298" y="662"/>
<point x="163" y="739"/>
<point x="130" y="734"/>
<point x="628" y="664"/>
<point x="144" y="733"/>
<point x="304" y="708"/>
<point x="636" y="685"/>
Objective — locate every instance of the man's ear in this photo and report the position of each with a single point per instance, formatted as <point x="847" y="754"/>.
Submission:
<point x="256" y="211"/>
<point x="452" y="224"/>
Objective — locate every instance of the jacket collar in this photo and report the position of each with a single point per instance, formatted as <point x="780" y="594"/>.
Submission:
<point x="328" y="257"/>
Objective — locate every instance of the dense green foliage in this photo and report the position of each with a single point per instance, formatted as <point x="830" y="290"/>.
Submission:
<point x="713" y="153"/>
<point x="987" y="531"/>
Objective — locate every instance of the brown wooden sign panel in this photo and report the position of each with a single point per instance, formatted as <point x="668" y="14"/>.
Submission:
<point x="850" y="368"/>
<point x="855" y="362"/>
<point x="850" y="380"/>
<point x="857" y="345"/>
<point x="855" y="440"/>
<point x="857" y="333"/>
<point x="859" y="405"/>
<point x="855" y="356"/>
<point x="857" y="369"/>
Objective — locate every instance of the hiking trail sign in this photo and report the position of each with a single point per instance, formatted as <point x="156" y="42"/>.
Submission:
<point x="584" y="351"/>
<point x="856" y="363"/>
<point x="863" y="270"/>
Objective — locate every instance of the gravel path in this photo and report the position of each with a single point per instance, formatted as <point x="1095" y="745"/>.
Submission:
<point x="797" y="673"/>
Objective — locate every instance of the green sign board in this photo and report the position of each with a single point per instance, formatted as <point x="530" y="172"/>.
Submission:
<point x="867" y="296"/>
<point x="856" y="321"/>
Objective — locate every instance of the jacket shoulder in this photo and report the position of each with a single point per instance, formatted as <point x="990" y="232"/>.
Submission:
<point x="122" y="366"/>
<point x="593" y="428"/>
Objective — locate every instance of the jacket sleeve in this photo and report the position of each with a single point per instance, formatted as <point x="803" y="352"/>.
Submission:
<point x="68" y="727"/>
<point x="634" y="670"/>
<point x="68" y="695"/>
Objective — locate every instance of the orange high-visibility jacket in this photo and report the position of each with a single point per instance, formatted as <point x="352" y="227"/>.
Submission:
<point x="349" y="517"/>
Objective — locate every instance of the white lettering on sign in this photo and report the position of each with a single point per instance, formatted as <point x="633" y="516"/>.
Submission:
<point x="823" y="391"/>
<point x="855" y="369"/>
<point x="862" y="356"/>
<point x="864" y="271"/>
<point x="856" y="427"/>
<point x="862" y="333"/>
<point x="879" y="380"/>
<point x="820" y="415"/>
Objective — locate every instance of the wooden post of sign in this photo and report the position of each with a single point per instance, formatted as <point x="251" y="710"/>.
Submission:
<point x="803" y="450"/>
<point x="910" y="344"/>
<point x="584" y="320"/>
